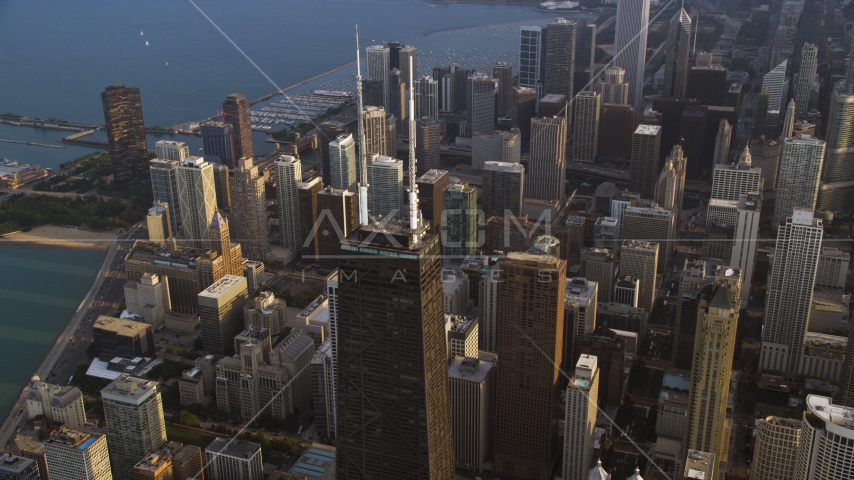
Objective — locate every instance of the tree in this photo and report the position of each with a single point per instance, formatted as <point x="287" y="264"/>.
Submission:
<point x="187" y="419"/>
<point x="172" y="349"/>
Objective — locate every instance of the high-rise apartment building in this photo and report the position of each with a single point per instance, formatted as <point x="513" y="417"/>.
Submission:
<point x="236" y="112"/>
<point x="775" y="82"/>
<point x="798" y="176"/>
<point x="598" y="265"/>
<point x="790" y="290"/>
<point x="13" y="467"/>
<point x="375" y="131"/>
<point x="630" y="46"/>
<point x="221" y="313"/>
<point x="288" y="176"/>
<point x="706" y="426"/>
<point x="524" y="108"/>
<point x="428" y="134"/>
<point x="729" y="182"/>
<point x="582" y="396"/>
<point x="503" y="72"/>
<point x="530" y="58"/>
<point x="158" y="222"/>
<point x="407" y="356"/>
<point x="525" y="437"/>
<point x="744" y="241"/>
<point x="616" y="131"/>
<point x="676" y="55"/>
<point x="471" y="384"/>
<point x="406" y="55"/>
<point x="806" y="77"/>
<point x="559" y="61"/>
<point x="171" y="150"/>
<point x="585" y="54"/>
<point x="639" y="259"/>
<point x="133" y="411"/>
<point x="431" y="192"/>
<point x="579" y="317"/>
<point x="586" y="127"/>
<point x="546" y="176"/>
<point x="342" y="162"/>
<point x="154" y="467"/>
<point x="148" y="298"/>
<point x="612" y="86"/>
<point x="231" y="459"/>
<point x="826" y="447"/>
<point x="125" y="133"/>
<point x="337" y="215"/>
<point x="164" y="189"/>
<point x="222" y="186"/>
<point x="57" y="404"/>
<point x="777" y="441"/>
<point x="648" y="224"/>
<point x="427" y="97"/>
<point x="646" y="146"/>
<point x="500" y="146"/>
<point x="385" y="176"/>
<point x="836" y="193"/>
<point x="197" y="201"/>
<point x="249" y="209"/>
<point x="503" y="189"/>
<point x="459" y="222"/>
<point x="80" y="455"/>
<point x="481" y="110"/>
<point x="218" y="141"/>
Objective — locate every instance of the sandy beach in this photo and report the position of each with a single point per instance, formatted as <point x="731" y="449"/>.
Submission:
<point x="63" y="237"/>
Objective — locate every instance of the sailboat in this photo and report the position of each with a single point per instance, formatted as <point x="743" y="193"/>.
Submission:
<point x="146" y="43"/>
<point x="140" y="33"/>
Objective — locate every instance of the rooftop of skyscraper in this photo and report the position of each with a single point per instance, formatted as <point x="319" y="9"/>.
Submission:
<point x="460" y="323"/>
<point x="431" y="176"/>
<point x="221" y="286"/>
<point x="129" y="389"/>
<point x="580" y="290"/>
<point x="233" y="447"/>
<point x="68" y="437"/>
<point x="838" y="415"/>
<point x="120" y="326"/>
<point x="470" y="369"/>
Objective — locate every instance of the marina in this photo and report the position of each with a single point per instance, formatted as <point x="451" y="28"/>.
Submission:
<point x="295" y="109"/>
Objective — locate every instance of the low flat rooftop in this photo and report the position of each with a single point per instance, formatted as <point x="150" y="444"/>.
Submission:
<point x="223" y="285"/>
<point x="120" y="326"/>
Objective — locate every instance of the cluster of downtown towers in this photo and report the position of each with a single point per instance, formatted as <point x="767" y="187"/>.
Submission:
<point x="394" y="414"/>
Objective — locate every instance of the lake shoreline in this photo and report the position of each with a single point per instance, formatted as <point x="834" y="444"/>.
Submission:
<point x="57" y="236"/>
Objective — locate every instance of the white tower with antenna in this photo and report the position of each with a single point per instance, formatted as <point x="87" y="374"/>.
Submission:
<point x="363" y="165"/>
<point x="414" y="211"/>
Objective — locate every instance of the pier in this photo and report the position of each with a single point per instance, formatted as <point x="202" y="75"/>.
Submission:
<point x="31" y="143"/>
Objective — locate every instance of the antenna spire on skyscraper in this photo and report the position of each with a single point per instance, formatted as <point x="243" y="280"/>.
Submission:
<point x="363" y="166"/>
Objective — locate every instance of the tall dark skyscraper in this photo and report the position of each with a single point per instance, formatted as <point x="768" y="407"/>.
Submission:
<point x="393" y="416"/>
<point x="560" y="58"/>
<point x="431" y="187"/>
<point x="692" y="129"/>
<point x="616" y="127"/>
<point x="427" y="134"/>
<point x="218" y="141"/>
<point x="524" y="109"/>
<point x="504" y="73"/>
<point x="809" y="29"/>
<point x="235" y="112"/>
<point x="676" y="60"/>
<point x="529" y="321"/>
<point x="126" y="133"/>
<point x="585" y="52"/>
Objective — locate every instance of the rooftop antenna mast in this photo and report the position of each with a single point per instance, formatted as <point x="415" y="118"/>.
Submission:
<point x="363" y="166"/>
<point x="414" y="212"/>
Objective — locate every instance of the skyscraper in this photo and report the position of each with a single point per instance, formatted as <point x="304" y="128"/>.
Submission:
<point x="158" y="223"/>
<point x="230" y="459"/>
<point x="503" y="189"/>
<point x="337" y="215"/>
<point x="385" y="176"/>
<point x="483" y="102"/>
<point x="431" y="191"/>
<point x="586" y="127"/>
<point x="13" y="467"/>
<point x="222" y="186"/>
<point x="288" y="175"/>
<point x="640" y="260"/>
<point x="730" y="182"/>
<point x="221" y="313"/>
<point x="503" y="72"/>
<point x="164" y="189"/>
<point x="329" y="131"/>
<point x="585" y="46"/>
<point x="714" y="343"/>
<point x="630" y="46"/>
<point x="744" y="241"/>
<point x="428" y="134"/>
<point x="134" y="414"/>
<point x="525" y="437"/>
<point x="472" y="389"/>
<point x="249" y="209"/>
<point x="646" y="145"/>
<point x="523" y="110"/>
<point x="582" y="396"/>
<point x="378" y="67"/>
<point x="670" y="187"/>
<point x="80" y="455"/>
<point x="651" y="224"/>
<point x="559" y="61"/>
<point x="616" y="131"/>
<point x="427" y="98"/>
<point x="459" y="222"/>
<point x="407" y="53"/>
<point x="342" y="162"/>
<point x="825" y="449"/>
<point x="789" y="120"/>
<point x="235" y="112"/>
<point x="171" y="150"/>
<point x="798" y="176"/>
<point x="806" y="77"/>
<point x="777" y="441"/>
<point x="676" y="59"/>
<point x="613" y="87"/>
<point x="125" y="133"/>
<point x="839" y="156"/>
<point x="407" y="432"/>
<point x="501" y="146"/>
<point x="722" y="141"/>
<point x="790" y="290"/>
<point x="775" y="82"/>
<point x="375" y="131"/>
<point x="546" y="176"/>
<point x="530" y="58"/>
<point x="809" y="29"/>
<point x="218" y="141"/>
<point x="197" y="200"/>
